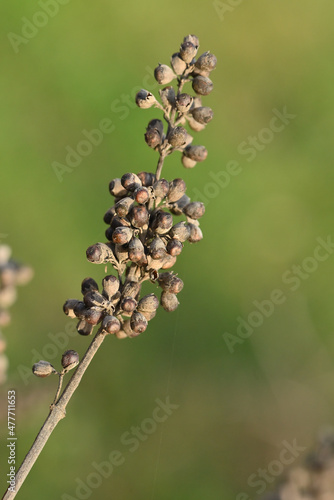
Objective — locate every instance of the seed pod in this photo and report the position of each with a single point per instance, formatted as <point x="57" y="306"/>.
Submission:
<point x="145" y="99"/>
<point x="167" y="96"/>
<point x="69" y="360"/>
<point x="188" y="162"/>
<point x="168" y="261"/>
<point x="164" y="74"/>
<point x="202" y="114"/>
<point x="146" y="178"/>
<point x="116" y="189"/>
<point x="184" y="102"/>
<point x="94" y="298"/>
<point x="177" y="188"/>
<point x="195" y="233"/>
<point x="157" y="248"/>
<point x="161" y="188"/>
<point x="177" y="207"/>
<point x="123" y="206"/>
<point x="99" y="253"/>
<point x="141" y="195"/>
<point x="177" y="137"/>
<point x="169" y="301"/>
<point x="84" y="328"/>
<point x="88" y="284"/>
<point x="131" y="289"/>
<point x="206" y="62"/>
<point x="149" y="314"/>
<point x="108" y="216"/>
<point x="162" y="222"/>
<point x="178" y="64"/>
<point x="68" y="307"/>
<point x="153" y="138"/>
<point x="156" y="124"/>
<point x="43" y="369"/>
<point x="180" y="231"/>
<point x="148" y="303"/>
<point x="110" y="286"/>
<point x="194" y="210"/>
<point x="108" y="233"/>
<point x="188" y="51"/>
<point x="80" y="309"/>
<point x="138" y="216"/>
<point x="128" y="304"/>
<point x="138" y="322"/>
<point x="194" y="125"/>
<point x="192" y="39"/>
<point x="136" y="250"/>
<point x="174" y="247"/>
<point x="202" y="85"/>
<point x="111" y="324"/>
<point x="93" y="315"/>
<point x="121" y="252"/>
<point x="196" y="153"/>
<point x="130" y="181"/>
<point x="122" y="235"/>
<point x="121" y="335"/>
<point x="169" y="282"/>
<point x="128" y="330"/>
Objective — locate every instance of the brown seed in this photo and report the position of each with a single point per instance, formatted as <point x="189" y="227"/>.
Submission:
<point x="174" y="247"/>
<point x="148" y="303"/>
<point x="177" y="137"/>
<point x="111" y="324"/>
<point x="178" y="206"/>
<point x="162" y="222"/>
<point x="188" y="51"/>
<point x="136" y="250"/>
<point x="157" y="248"/>
<point x="84" y="328"/>
<point x="131" y="289"/>
<point x="110" y="286"/>
<point x="130" y="181"/>
<point x="167" y="96"/>
<point x="69" y="360"/>
<point x="194" y="210"/>
<point x="68" y="307"/>
<point x="169" y="301"/>
<point x="206" y="62"/>
<point x="169" y="282"/>
<point x="138" y="322"/>
<point x="93" y="315"/>
<point x="139" y="216"/>
<point x="203" y="114"/>
<point x="177" y="188"/>
<point x="180" y="231"/>
<point x="128" y="304"/>
<point x="164" y="74"/>
<point x="195" y="233"/>
<point x="88" y="284"/>
<point x="99" y="253"/>
<point x="202" y="85"/>
<point x="196" y="153"/>
<point x="145" y="99"/>
<point x="153" y="138"/>
<point x="43" y="369"/>
<point x="146" y="178"/>
<point x="161" y="188"/>
<point x="122" y="235"/>
<point x="187" y="162"/>
<point x="141" y="195"/>
<point x="123" y="206"/>
<point x="116" y="189"/>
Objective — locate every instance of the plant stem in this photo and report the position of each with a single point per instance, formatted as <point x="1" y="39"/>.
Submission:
<point x="57" y="412"/>
<point x="160" y="165"/>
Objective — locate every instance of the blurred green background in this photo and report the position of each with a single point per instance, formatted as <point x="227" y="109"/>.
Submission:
<point x="235" y="409"/>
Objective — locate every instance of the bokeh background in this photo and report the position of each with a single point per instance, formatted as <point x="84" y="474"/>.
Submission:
<point x="235" y="408"/>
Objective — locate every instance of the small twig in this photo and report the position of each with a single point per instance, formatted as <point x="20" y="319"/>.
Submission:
<point x="60" y="383"/>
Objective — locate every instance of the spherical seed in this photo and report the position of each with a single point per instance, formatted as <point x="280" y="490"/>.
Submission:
<point x="130" y="181"/>
<point x="146" y="178"/>
<point x="123" y="206"/>
<point x="164" y="74"/>
<point x="88" y="284"/>
<point x="168" y="262"/>
<point x="148" y="303"/>
<point x="178" y="64"/>
<point x="195" y="233"/>
<point x="138" y="322"/>
<point x="43" y="369"/>
<point x="138" y="216"/>
<point x="177" y="188"/>
<point x="169" y="301"/>
<point x="184" y="102"/>
<point x="141" y="195"/>
<point x="116" y="189"/>
<point x="153" y="138"/>
<point x="196" y="153"/>
<point x="202" y="85"/>
<point x="110" y="285"/>
<point x="170" y="282"/>
<point x="93" y="315"/>
<point x="111" y="324"/>
<point x="206" y="62"/>
<point x="136" y="250"/>
<point x="162" y="222"/>
<point x="122" y="235"/>
<point x="194" y="125"/>
<point x="161" y="188"/>
<point x="174" y="247"/>
<point x="180" y="231"/>
<point x="177" y="137"/>
<point x="188" y="51"/>
<point x="69" y="360"/>
<point x="128" y="304"/>
<point x="108" y="216"/>
<point x="145" y="99"/>
<point x="203" y="114"/>
<point x="156" y="125"/>
<point x="157" y="248"/>
<point x="194" y="210"/>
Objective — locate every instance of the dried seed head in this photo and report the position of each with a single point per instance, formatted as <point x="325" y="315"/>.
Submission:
<point x="194" y="210"/>
<point x="177" y="137"/>
<point x="169" y="282"/>
<point x="162" y="222"/>
<point x="141" y="195"/>
<point x="157" y="248"/>
<point x="138" y="216"/>
<point x="174" y="247"/>
<point x="128" y="304"/>
<point x="188" y="162"/>
<point x="169" y="301"/>
<point x="136" y="250"/>
<point x="88" y="284"/>
<point x="188" y="51"/>
<point x="153" y="138"/>
<point x="69" y="360"/>
<point x="94" y="298"/>
<point x="195" y="233"/>
<point x="177" y="188"/>
<point x="43" y="369"/>
<point x="203" y="114"/>
<point x="131" y="289"/>
<point x="145" y="99"/>
<point x="138" y="322"/>
<point x="181" y="231"/>
<point x="84" y="328"/>
<point x="202" y="85"/>
<point x="184" y="102"/>
<point x="122" y="235"/>
<point x="116" y="189"/>
<point x="111" y="324"/>
<point x="146" y="178"/>
<point x="178" y="206"/>
<point x="206" y="62"/>
<point x="69" y="306"/>
<point x="148" y="303"/>
<point x="161" y="188"/>
<point x="130" y="181"/>
<point x="196" y="153"/>
<point x="99" y="253"/>
<point x="167" y="96"/>
<point x="110" y="286"/>
<point x="178" y="64"/>
<point x="164" y="74"/>
<point x="192" y="39"/>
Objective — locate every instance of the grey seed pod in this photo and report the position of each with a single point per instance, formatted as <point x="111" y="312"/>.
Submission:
<point x="167" y="96"/>
<point x="203" y="115"/>
<point x="168" y="262"/>
<point x="180" y="231"/>
<point x="161" y="188"/>
<point x="192" y="39"/>
<point x="68" y="307"/>
<point x="149" y="314"/>
<point x="116" y="188"/>
<point x="122" y="235"/>
<point x="119" y="221"/>
<point x="164" y="74"/>
<point x="99" y="253"/>
<point x="156" y="125"/>
<point x="93" y="315"/>
<point x="80" y="310"/>
<point x="174" y="247"/>
<point x="157" y="248"/>
<point x="138" y="322"/>
<point x="153" y="138"/>
<point x="121" y="335"/>
<point x="141" y="195"/>
<point x="195" y="233"/>
<point x="194" y="125"/>
<point x="123" y="206"/>
<point x="162" y="222"/>
<point x="184" y="102"/>
<point x="177" y="137"/>
<point x="8" y="296"/>
<point x="206" y="62"/>
<point x="145" y="99"/>
<point x="130" y="181"/>
<point x="94" y="298"/>
<point x="178" y="65"/>
<point x="146" y="178"/>
<point x="108" y="216"/>
<point x="131" y="289"/>
<point x="88" y="284"/>
<point x="194" y="210"/>
<point x="177" y="207"/>
<point x="138" y="216"/>
<point x="188" y="162"/>
<point x="188" y="51"/>
<point x="196" y="153"/>
<point x="169" y="301"/>
<point x="169" y="282"/>
<point x="148" y="303"/>
<point x="43" y="369"/>
<point x="136" y="250"/>
<point x="128" y="304"/>
<point x="202" y="85"/>
<point x="69" y="360"/>
<point x="111" y="324"/>
<point x="84" y="328"/>
<point x="110" y="286"/>
<point x="177" y="188"/>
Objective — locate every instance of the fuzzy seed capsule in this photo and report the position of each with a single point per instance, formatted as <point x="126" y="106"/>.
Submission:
<point x="164" y="74"/>
<point x="194" y="210"/>
<point x="188" y="51"/>
<point x="138" y="216"/>
<point x="202" y="85"/>
<point x="167" y="96"/>
<point x="169" y="301"/>
<point x="177" y="188"/>
<point x="153" y="138"/>
<point x="174" y="247"/>
<point x="43" y="369"/>
<point x="178" y="64"/>
<point x="116" y="189"/>
<point x="88" y="284"/>
<point x="99" y="253"/>
<point x="145" y="99"/>
<point x="130" y="181"/>
<point x="178" y="206"/>
<point x="195" y="233"/>
<point x="162" y="222"/>
<point x="169" y="282"/>
<point x="148" y="303"/>
<point x="138" y="322"/>
<point x="180" y="231"/>
<point x="111" y="324"/>
<point x="161" y="188"/>
<point x="146" y="178"/>
<point x="110" y="286"/>
<point x="177" y="137"/>
<point x="184" y="102"/>
<point x="122" y="235"/>
<point x="69" y="360"/>
<point x="136" y="250"/>
<point x="203" y="114"/>
<point x="157" y="248"/>
<point x="196" y="153"/>
<point x="206" y="62"/>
